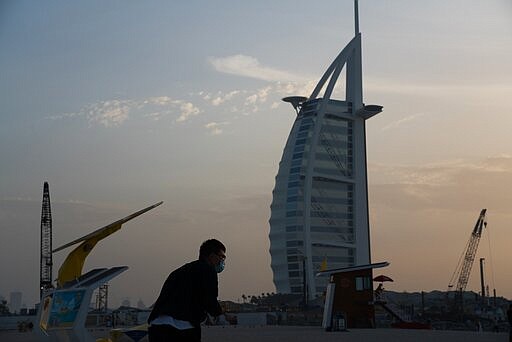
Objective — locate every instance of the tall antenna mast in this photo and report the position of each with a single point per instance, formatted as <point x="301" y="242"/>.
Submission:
<point x="46" y="262"/>
<point x="356" y="17"/>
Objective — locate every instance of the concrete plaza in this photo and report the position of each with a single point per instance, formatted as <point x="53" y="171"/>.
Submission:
<point x="312" y="334"/>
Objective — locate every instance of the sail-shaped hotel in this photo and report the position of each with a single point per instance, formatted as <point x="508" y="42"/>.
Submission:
<point x="319" y="211"/>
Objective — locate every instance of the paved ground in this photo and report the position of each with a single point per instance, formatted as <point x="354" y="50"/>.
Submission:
<point x="311" y="334"/>
<point x="300" y="334"/>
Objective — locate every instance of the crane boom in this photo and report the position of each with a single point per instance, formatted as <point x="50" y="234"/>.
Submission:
<point x="464" y="270"/>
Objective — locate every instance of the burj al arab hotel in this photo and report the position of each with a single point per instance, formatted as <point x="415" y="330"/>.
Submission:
<point x="319" y="211"/>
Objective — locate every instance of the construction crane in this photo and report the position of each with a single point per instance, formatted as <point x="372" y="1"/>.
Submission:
<point x="463" y="269"/>
<point x="45" y="280"/>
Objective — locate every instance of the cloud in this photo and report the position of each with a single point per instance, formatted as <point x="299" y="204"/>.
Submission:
<point x="263" y="93"/>
<point x="116" y="112"/>
<point x="402" y="121"/>
<point x="62" y="116"/>
<point x="215" y="128"/>
<point x="248" y="66"/>
<point x="247" y="101"/>
<point x="303" y="88"/>
<point x="156" y="116"/>
<point x="187" y="110"/>
<point x="250" y="100"/>
<point x="258" y="97"/>
<point x="449" y="185"/>
<point x="222" y="98"/>
<point x="109" y="113"/>
<point x="159" y="100"/>
<point x="112" y="113"/>
<point x="469" y="91"/>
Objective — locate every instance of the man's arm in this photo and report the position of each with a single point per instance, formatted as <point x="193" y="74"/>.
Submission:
<point x="210" y="292"/>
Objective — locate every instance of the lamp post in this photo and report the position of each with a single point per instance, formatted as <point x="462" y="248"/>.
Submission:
<point x="304" y="280"/>
<point x="304" y="283"/>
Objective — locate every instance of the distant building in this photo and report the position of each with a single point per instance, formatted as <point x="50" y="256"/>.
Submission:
<point x="126" y="302"/>
<point x="319" y="211"/>
<point x="15" y="302"/>
<point x="141" y="305"/>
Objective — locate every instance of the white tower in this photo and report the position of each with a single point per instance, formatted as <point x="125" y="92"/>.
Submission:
<point x="15" y="302"/>
<point x="319" y="212"/>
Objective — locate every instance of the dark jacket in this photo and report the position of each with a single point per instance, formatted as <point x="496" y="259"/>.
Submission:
<point x="188" y="294"/>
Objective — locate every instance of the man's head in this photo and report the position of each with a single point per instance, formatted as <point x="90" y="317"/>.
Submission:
<point x="214" y="253"/>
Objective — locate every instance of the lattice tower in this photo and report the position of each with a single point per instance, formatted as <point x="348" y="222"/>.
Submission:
<point x="46" y="262"/>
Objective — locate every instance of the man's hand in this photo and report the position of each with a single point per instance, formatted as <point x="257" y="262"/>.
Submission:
<point x="230" y="318"/>
<point x="225" y="319"/>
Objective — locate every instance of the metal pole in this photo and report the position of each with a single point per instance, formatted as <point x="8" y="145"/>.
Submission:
<point x="304" y="283"/>
<point x="356" y="16"/>
<point x="482" y="283"/>
<point x="422" y="303"/>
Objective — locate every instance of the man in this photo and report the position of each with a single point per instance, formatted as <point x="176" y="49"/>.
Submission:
<point x="509" y="314"/>
<point x="188" y="294"/>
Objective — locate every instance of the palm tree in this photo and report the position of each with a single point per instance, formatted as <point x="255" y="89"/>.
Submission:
<point x="4" y="310"/>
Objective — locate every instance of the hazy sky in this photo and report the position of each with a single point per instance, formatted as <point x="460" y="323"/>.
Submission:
<point x="121" y="104"/>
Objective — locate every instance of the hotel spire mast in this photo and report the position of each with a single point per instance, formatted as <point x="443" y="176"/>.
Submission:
<point x="356" y="17"/>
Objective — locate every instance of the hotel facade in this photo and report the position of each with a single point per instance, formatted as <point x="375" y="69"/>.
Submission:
<point x="319" y="211"/>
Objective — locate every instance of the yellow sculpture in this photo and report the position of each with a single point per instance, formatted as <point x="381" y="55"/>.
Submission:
<point x="72" y="267"/>
<point x="323" y="265"/>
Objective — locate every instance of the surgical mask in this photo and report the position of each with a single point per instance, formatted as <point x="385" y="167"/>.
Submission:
<point x="220" y="266"/>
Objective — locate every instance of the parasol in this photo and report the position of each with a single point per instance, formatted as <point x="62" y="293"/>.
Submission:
<point x="382" y="278"/>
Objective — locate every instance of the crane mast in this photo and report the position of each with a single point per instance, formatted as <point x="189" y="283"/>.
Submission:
<point x="46" y="243"/>
<point x="464" y="266"/>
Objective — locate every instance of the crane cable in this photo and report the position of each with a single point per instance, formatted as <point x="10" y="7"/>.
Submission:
<point x="458" y="268"/>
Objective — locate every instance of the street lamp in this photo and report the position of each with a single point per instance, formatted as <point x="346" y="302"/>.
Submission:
<point x="304" y="280"/>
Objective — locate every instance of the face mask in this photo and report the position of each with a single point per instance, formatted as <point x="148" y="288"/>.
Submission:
<point x="220" y="266"/>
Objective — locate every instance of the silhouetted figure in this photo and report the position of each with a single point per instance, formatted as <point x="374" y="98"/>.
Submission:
<point x="188" y="294"/>
<point x="495" y="327"/>
<point x="509" y="314"/>
<point x="378" y="293"/>
<point x="478" y="325"/>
